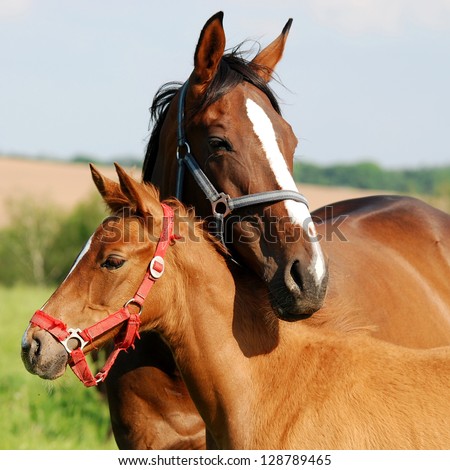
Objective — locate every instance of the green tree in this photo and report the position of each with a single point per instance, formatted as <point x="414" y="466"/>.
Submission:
<point x="42" y="241"/>
<point x="25" y="243"/>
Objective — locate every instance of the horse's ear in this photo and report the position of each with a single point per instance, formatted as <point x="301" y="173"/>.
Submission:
<point x="109" y="189"/>
<point x="144" y="201"/>
<point x="208" y="53"/>
<point x="268" y="58"/>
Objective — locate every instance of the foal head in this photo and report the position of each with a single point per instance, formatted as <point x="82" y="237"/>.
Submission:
<point x="113" y="275"/>
<point x="234" y="129"/>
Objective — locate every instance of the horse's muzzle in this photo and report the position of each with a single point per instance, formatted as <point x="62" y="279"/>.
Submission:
<point x="295" y="292"/>
<point x="42" y="354"/>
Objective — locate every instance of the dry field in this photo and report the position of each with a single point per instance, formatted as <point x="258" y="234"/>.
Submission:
<point x="66" y="184"/>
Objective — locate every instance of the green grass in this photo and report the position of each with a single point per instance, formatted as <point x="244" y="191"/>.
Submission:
<point x="39" y="414"/>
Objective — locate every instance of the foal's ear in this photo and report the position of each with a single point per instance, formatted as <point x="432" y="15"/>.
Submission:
<point x="208" y="53"/>
<point x="109" y="189"/>
<point x="268" y="58"/>
<point x="143" y="198"/>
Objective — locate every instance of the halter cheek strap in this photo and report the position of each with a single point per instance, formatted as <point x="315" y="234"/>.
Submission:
<point x="221" y="204"/>
<point x="130" y="321"/>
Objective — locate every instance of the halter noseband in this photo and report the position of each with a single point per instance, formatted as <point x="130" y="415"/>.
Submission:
<point x="130" y="321"/>
<point x="221" y="204"/>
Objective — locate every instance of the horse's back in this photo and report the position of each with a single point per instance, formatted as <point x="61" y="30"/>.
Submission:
<point x="400" y="208"/>
<point x="390" y="261"/>
<point x="371" y="394"/>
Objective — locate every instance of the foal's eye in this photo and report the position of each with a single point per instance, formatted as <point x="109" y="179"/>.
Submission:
<point x="113" y="262"/>
<point x="217" y="144"/>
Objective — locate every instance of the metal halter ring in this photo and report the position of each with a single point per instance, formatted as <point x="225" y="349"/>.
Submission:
<point x="188" y="150"/>
<point x="221" y="203"/>
<point x="135" y="302"/>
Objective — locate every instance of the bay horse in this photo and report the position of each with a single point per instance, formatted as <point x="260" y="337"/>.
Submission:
<point x="257" y="381"/>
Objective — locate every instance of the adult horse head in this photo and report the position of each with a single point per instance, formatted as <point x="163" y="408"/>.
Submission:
<point x="221" y="145"/>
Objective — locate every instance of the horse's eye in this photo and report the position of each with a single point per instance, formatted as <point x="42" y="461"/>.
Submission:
<point x="219" y="145"/>
<point x="113" y="262"/>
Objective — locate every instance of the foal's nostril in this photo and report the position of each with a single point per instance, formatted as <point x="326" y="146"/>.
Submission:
<point x="31" y="349"/>
<point x="36" y="347"/>
<point x="296" y="274"/>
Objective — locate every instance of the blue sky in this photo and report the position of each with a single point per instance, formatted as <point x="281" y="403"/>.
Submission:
<point x="365" y="79"/>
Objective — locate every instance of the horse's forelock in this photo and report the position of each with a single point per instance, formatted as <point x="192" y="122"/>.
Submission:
<point x="233" y="69"/>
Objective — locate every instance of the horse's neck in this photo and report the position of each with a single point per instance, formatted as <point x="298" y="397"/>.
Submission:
<point x="223" y="321"/>
<point x="164" y="175"/>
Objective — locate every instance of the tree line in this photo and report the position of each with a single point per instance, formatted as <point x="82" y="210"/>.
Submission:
<point x="432" y="181"/>
<point x="369" y="175"/>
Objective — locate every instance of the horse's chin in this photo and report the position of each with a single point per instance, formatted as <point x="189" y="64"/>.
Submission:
<point x="46" y="371"/>
<point x="292" y="310"/>
<point x="51" y="374"/>
<point x="289" y="317"/>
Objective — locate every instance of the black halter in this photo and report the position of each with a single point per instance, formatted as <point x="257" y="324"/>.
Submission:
<point x="221" y="204"/>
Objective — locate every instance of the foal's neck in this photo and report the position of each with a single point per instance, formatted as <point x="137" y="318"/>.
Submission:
<point x="223" y="322"/>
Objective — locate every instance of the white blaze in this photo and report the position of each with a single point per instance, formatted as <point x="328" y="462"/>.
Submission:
<point x="298" y="212"/>
<point x="79" y="257"/>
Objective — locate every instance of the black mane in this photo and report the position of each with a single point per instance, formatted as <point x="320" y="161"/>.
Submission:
<point x="233" y="70"/>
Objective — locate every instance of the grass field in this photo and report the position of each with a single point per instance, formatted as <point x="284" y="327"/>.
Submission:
<point x="39" y="414"/>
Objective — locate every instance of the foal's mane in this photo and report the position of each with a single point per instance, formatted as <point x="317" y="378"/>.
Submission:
<point x="120" y="205"/>
<point x="188" y="214"/>
<point x="233" y="70"/>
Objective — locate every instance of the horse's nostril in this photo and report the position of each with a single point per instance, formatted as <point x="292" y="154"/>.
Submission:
<point x="36" y="347"/>
<point x="296" y="274"/>
<point x="31" y="349"/>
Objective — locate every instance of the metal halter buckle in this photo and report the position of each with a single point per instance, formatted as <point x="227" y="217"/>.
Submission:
<point x="74" y="333"/>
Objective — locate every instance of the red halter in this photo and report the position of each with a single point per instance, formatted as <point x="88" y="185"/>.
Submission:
<point x="125" y="339"/>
